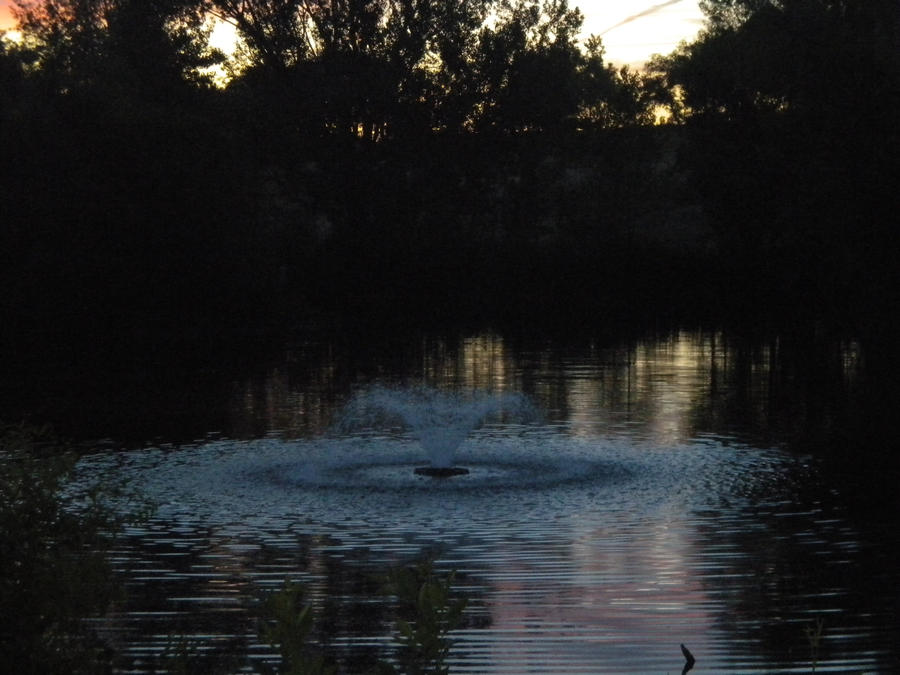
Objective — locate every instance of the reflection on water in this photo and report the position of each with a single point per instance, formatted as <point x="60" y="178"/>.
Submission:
<point x="668" y="389"/>
<point x="656" y="503"/>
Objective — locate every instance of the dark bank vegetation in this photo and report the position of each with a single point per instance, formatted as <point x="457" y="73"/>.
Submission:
<point x="54" y="571"/>
<point x="470" y="160"/>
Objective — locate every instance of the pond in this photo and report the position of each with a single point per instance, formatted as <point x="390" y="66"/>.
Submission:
<point x="651" y="492"/>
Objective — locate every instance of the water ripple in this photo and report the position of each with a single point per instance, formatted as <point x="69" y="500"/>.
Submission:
<point x="580" y="555"/>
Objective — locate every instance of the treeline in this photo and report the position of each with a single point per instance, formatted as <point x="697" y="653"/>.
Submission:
<point x="473" y="157"/>
<point x="794" y="145"/>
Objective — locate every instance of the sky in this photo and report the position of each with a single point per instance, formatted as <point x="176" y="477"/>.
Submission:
<point x="632" y="30"/>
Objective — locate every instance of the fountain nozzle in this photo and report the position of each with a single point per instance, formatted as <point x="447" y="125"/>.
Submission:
<point x="441" y="471"/>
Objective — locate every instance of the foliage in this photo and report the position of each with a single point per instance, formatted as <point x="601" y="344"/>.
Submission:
<point x="731" y="13"/>
<point x="526" y="66"/>
<point x="814" y="639"/>
<point x="53" y="569"/>
<point x="287" y="624"/>
<point x="788" y="108"/>
<point x="368" y="69"/>
<point x="119" y="47"/>
<point x="823" y="59"/>
<point x="382" y="152"/>
<point x="429" y="613"/>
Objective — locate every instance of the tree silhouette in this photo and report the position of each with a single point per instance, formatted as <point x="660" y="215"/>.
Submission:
<point x="365" y="148"/>
<point x="117" y="44"/>
<point x="615" y="98"/>
<point x="277" y="32"/>
<point x="820" y="58"/>
<point x="792" y="136"/>
<point x="526" y="66"/>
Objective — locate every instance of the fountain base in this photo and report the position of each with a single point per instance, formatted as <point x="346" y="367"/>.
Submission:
<point x="441" y="471"/>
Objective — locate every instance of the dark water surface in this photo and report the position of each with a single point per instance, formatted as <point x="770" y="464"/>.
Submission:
<point x="688" y="488"/>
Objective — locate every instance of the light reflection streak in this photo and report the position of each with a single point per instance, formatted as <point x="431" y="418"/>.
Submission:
<point x="668" y="391"/>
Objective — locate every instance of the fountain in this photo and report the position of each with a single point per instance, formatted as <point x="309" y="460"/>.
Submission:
<point x="572" y="532"/>
<point x="439" y="420"/>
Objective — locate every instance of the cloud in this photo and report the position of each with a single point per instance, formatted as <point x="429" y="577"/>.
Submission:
<point x="640" y="15"/>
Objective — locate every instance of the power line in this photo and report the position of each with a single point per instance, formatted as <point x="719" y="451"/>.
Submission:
<point x="640" y="15"/>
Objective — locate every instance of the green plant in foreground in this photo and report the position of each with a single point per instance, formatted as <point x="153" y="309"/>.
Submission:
<point x="54" y="572"/>
<point x="184" y="655"/>
<point x="428" y="615"/>
<point x="287" y="625"/>
<point x="814" y="638"/>
<point x="427" y="610"/>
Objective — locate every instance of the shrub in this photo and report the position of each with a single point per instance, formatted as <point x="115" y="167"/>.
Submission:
<point x="54" y="571"/>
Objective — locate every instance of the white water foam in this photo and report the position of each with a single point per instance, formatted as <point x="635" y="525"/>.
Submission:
<point x="515" y="473"/>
